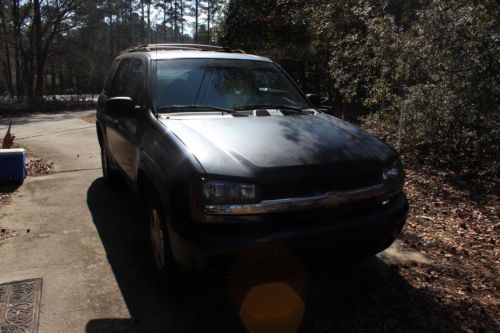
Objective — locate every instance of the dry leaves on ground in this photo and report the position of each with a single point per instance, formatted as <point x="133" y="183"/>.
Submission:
<point x="38" y="167"/>
<point x="456" y="224"/>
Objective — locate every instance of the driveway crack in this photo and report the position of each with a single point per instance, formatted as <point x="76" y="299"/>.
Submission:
<point x="76" y="170"/>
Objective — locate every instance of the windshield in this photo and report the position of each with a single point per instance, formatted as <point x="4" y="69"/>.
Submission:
<point x="224" y="83"/>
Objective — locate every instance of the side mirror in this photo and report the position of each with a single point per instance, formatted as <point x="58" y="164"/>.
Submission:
<point x="120" y="106"/>
<point x="314" y="99"/>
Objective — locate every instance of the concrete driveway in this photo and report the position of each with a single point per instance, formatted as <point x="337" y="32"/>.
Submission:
<point x="87" y="244"/>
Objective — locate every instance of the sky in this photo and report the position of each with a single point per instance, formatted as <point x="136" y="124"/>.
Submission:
<point x="188" y="26"/>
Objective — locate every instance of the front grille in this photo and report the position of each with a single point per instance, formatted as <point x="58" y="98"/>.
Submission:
<point x="328" y="215"/>
<point x="318" y="185"/>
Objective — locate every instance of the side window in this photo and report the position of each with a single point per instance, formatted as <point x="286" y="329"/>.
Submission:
<point x="109" y="77"/>
<point x="135" y="81"/>
<point x="120" y="79"/>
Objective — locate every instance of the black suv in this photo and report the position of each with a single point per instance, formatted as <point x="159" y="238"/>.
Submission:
<point x="230" y="158"/>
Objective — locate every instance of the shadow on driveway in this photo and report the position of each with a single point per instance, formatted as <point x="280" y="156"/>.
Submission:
<point x="368" y="296"/>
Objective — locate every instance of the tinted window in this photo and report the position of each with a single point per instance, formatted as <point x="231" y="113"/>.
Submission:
<point x="109" y="78"/>
<point x="135" y="81"/>
<point x="224" y="83"/>
<point x="120" y="80"/>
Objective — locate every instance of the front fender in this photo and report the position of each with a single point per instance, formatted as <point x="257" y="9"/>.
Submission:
<point x="168" y="166"/>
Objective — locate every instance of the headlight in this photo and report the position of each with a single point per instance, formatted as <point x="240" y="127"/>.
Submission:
<point x="217" y="192"/>
<point x="393" y="171"/>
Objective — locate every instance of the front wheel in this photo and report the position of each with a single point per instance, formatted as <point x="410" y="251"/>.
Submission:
<point x="161" y="251"/>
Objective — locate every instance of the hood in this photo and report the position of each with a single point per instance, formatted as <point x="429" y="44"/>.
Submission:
<point x="283" y="146"/>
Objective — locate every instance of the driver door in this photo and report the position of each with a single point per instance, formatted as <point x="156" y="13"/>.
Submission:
<point x="126" y="140"/>
<point x="114" y="121"/>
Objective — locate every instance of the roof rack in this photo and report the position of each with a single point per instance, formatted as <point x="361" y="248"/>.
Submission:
<point x="177" y="47"/>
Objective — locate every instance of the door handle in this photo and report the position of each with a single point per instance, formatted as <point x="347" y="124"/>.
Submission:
<point x="116" y="122"/>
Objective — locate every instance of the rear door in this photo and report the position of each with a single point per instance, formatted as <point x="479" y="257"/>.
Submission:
<point x="126" y="140"/>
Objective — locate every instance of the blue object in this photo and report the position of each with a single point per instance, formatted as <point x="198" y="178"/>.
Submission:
<point x="12" y="165"/>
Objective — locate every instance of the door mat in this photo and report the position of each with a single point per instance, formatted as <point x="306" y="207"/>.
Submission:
<point x="19" y="306"/>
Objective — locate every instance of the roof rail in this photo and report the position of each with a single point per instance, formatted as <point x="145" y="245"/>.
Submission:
<point x="187" y="47"/>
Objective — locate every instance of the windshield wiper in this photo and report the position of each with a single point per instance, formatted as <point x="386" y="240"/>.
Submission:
<point x="268" y="106"/>
<point x="195" y="107"/>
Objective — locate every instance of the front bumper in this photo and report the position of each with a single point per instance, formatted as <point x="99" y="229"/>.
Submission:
<point x="213" y="250"/>
<point x="325" y="200"/>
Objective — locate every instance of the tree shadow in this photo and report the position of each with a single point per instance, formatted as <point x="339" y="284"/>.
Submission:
<point x="367" y="296"/>
<point x="327" y="137"/>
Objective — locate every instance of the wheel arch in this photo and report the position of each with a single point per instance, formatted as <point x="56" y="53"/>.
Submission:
<point x="146" y="189"/>
<point x="100" y="135"/>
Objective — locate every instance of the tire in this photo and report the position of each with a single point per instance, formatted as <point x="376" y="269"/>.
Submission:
<point x="110" y="176"/>
<point x="160" y="248"/>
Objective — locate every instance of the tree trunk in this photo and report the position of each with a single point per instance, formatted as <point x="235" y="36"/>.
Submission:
<point x="29" y="64"/>
<point x="40" y="63"/>
<point x="143" y="32"/>
<point x="61" y="79"/>
<point x="149" y="21"/>
<point x="172" y="25"/>
<point x="175" y="21"/>
<point x="165" y="23"/>
<point x="17" y="47"/>
<point x="8" y="66"/>
<point x="110" y="13"/>
<point x="52" y="78"/>
<point x="196" y="15"/>
<point x="400" y="127"/>
<point x="209" y="16"/>
<point x="182" y="21"/>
